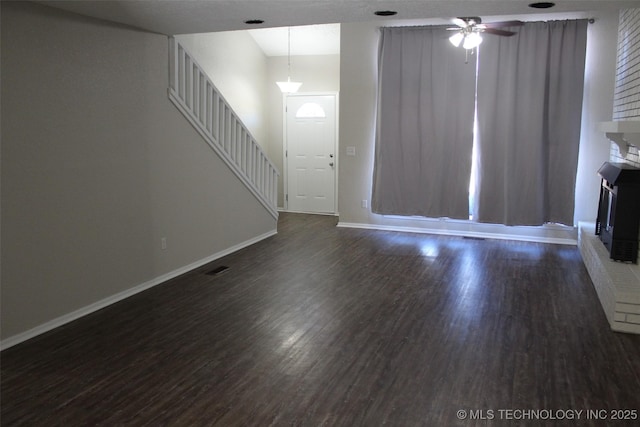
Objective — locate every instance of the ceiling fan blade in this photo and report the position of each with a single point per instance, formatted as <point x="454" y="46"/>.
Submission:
<point x="460" y="22"/>
<point x="503" y="24"/>
<point x="497" y="32"/>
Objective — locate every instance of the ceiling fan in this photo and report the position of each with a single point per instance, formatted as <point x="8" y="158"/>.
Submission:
<point x="468" y="30"/>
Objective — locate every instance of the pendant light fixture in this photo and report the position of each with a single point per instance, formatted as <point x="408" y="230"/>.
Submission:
<point x="289" y="86"/>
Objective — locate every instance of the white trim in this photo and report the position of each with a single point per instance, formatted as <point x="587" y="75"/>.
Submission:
<point x="74" y="315"/>
<point x="475" y="230"/>
<point x="309" y="213"/>
<point x="285" y="154"/>
<point x="337" y="152"/>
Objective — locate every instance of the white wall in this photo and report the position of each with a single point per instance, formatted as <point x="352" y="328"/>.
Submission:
<point x="318" y="73"/>
<point x="238" y="68"/>
<point x="597" y="107"/>
<point x="358" y="75"/>
<point x="98" y="166"/>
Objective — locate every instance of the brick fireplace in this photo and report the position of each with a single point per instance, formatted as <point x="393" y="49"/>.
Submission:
<point x="609" y="247"/>
<point x="616" y="283"/>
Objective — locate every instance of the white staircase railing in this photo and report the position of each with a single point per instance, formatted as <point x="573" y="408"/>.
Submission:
<point x="191" y="90"/>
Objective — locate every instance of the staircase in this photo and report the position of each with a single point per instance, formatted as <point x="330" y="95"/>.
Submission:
<point x="193" y="93"/>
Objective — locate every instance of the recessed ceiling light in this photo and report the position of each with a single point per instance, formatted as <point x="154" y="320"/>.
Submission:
<point x="542" y="5"/>
<point x="385" y="12"/>
<point x="254" y="21"/>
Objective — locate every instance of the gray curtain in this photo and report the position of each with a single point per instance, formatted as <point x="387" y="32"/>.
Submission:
<point x="424" y="133"/>
<point x="529" y="110"/>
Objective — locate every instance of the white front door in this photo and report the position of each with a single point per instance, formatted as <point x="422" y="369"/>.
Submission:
<point x="311" y="153"/>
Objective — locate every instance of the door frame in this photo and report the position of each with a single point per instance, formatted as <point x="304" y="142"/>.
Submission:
<point x="285" y="148"/>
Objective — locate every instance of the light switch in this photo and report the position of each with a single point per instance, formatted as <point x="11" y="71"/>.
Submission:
<point x="351" y="151"/>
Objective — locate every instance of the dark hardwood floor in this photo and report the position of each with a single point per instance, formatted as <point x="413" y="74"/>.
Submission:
<point x="340" y="327"/>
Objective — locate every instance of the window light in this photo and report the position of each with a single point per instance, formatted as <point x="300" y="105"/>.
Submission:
<point x="310" y="110"/>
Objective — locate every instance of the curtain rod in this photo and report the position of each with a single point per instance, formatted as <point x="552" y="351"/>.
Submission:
<point x="589" y="20"/>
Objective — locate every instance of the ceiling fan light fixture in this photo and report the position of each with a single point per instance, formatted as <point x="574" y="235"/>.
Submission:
<point x="472" y="41"/>
<point x="456" y="39"/>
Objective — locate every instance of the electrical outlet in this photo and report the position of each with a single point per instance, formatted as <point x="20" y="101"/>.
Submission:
<point x="364" y="203"/>
<point x="163" y="243"/>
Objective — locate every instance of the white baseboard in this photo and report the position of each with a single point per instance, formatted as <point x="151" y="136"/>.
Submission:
<point x="74" y="315"/>
<point x="555" y="235"/>
<point x="282" y="210"/>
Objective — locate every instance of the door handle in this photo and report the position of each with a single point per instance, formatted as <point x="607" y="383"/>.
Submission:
<point x="331" y="164"/>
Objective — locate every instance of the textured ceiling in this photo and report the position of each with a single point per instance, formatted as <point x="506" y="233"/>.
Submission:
<point x="198" y="16"/>
<point x="322" y="39"/>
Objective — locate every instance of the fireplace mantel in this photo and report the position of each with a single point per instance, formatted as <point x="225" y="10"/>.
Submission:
<point x="624" y="133"/>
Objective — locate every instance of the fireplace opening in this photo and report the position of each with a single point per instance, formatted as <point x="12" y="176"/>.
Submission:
<point x="618" y="221"/>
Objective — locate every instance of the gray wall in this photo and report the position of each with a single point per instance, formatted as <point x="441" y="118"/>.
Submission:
<point x="98" y="166"/>
<point x="358" y="81"/>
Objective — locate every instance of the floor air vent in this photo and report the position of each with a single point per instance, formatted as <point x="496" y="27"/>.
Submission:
<point x="217" y="271"/>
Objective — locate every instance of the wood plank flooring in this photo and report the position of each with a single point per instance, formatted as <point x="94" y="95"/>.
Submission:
<point x="321" y="325"/>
